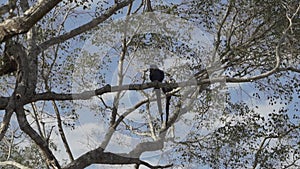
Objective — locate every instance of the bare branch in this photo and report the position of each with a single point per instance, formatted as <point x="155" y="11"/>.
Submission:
<point x="13" y="163"/>
<point x="221" y="25"/>
<point x="35" y="113"/>
<point x="85" y="27"/>
<point x="61" y="131"/>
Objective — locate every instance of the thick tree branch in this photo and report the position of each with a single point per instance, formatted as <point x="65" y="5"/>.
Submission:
<point x="25" y="126"/>
<point x="98" y="156"/>
<point x="107" y="89"/>
<point x="3" y="102"/>
<point x="21" y="24"/>
<point x="24" y="90"/>
<point x="146" y="146"/>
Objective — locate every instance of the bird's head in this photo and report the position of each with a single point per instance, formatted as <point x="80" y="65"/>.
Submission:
<point x="153" y="66"/>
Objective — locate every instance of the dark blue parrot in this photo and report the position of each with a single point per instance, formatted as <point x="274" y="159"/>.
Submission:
<point x="157" y="75"/>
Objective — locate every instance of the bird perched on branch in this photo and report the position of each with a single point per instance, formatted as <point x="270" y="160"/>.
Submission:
<point x="157" y="75"/>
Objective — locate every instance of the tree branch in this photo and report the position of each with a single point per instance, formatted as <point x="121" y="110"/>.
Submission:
<point x="25" y="126"/>
<point x="3" y="102"/>
<point x="21" y="24"/>
<point x="13" y="163"/>
<point x="61" y="131"/>
<point x="98" y="156"/>
<point x="107" y="89"/>
<point x="85" y="27"/>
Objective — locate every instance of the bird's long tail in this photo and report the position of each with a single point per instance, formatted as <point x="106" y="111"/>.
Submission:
<point x="168" y="98"/>
<point x="158" y="97"/>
